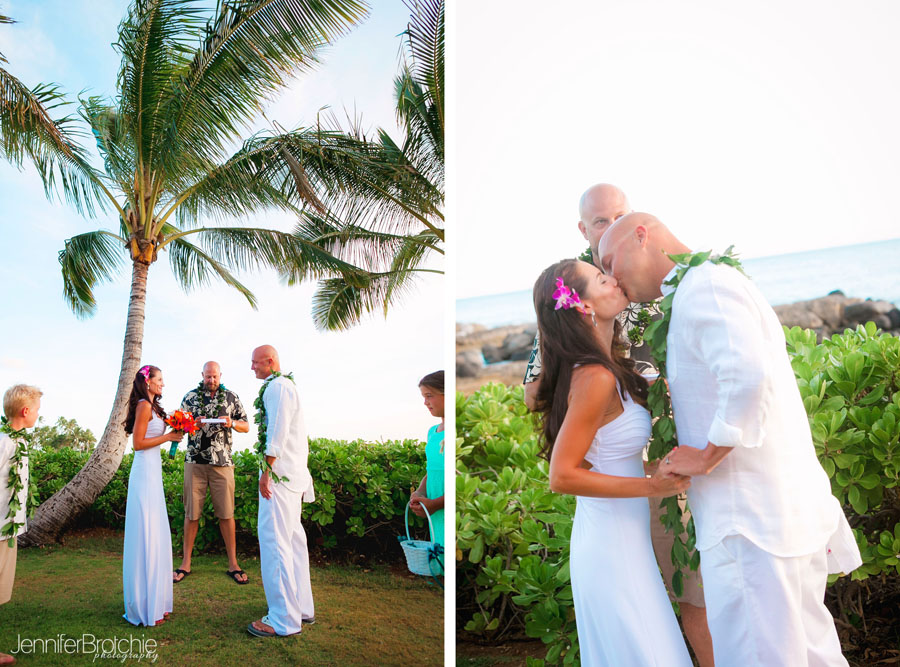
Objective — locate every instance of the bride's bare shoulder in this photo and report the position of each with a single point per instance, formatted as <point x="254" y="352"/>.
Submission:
<point x="592" y="381"/>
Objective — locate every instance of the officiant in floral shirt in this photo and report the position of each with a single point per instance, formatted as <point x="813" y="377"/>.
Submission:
<point x="208" y="464"/>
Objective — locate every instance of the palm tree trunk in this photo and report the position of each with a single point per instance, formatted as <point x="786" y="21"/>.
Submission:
<point x="62" y="507"/>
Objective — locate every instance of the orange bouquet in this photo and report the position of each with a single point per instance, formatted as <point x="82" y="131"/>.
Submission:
<point x="181" y="421"/>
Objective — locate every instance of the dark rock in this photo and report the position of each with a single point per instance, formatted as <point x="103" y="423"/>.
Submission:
<point x="469" y="363"/>
<point x="492" y="354"/>
<point x="883" y="322"/>
<point x="484" y="337"/>
<point x="515" y="344"/>
<point x="894" y="316"/>
<point x="521" y="355"/>
<point x="830" y="309"/>
<point x="869" y="311"/>
<point x="798" y="315"/>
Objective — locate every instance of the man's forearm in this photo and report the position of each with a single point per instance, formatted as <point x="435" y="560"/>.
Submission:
<point x="712" y="456"/>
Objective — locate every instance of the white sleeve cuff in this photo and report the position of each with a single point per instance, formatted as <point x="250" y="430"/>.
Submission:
<point x="722" y="434"/>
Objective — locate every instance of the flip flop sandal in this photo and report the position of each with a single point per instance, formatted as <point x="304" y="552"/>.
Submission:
<point x="185" y="574"/>
<point x="260" y="633"/>
<point x="234" y="575"/>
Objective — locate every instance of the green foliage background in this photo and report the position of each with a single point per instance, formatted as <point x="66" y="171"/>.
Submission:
<point x="361" y="491"/>
<point x="513" y="533"/>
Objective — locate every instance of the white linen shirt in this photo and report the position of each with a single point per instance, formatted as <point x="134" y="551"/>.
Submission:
<point x="286" y="438"/>
<point x="732" y="384"/>
<point x="7" y="450"/>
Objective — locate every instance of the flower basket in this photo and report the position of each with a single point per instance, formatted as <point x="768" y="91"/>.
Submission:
<point x="422" y="557"/>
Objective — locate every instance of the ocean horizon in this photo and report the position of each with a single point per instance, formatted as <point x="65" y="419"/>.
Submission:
<point x="865" y="270"/>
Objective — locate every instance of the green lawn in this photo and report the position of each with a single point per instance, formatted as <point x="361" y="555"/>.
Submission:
<point x="364" y="616"/>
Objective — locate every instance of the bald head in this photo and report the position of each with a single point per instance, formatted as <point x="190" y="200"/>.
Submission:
<point x="600" y="206"/>
<point x="265" y="361"/>
<point x="600" y="196"/>
<point x="634" y="251"/>
<point x="212" y="375"/>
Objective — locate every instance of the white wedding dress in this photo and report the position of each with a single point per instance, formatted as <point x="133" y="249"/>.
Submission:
<point x="147" y="554"/>
<point x="622" y="610"/>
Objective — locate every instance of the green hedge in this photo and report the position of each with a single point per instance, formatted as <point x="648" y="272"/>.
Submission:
<point x="361" y="493"/>
<point x="513" y="533"/>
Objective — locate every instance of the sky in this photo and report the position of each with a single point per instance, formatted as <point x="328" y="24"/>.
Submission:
<point x="768" y="125"/>
<point x="356" y="384"/>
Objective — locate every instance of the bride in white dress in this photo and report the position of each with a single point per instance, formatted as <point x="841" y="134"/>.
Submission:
<point x="595" y="429"/>
<point x="147" y="554"/>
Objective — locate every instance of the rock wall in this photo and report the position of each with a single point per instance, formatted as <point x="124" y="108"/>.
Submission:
<point x="500" y="355"/>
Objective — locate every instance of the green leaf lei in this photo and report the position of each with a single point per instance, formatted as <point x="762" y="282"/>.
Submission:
<point x="219" y="403"/>
<point x="260" y="419"/>
<point x="22" y="442"/>
<point x="664" y="438"/>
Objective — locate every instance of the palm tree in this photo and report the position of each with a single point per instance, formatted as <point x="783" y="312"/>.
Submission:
<point x="28" y="131"/>
<point x="386" y="224"/>
<point x="188" y="83"/>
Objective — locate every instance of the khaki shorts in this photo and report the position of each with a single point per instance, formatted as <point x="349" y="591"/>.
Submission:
<point x="7" y="569"/>
<point x="662" y="546"/>
<point x="219" y="479"/>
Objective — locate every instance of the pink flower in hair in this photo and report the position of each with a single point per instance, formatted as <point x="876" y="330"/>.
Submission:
<point x="567" y="297"/>
<point x="145" y="371"/>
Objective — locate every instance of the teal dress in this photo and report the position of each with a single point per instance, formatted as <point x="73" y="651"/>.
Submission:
<point x="434" y="483"/>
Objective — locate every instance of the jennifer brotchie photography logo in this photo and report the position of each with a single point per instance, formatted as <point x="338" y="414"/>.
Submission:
<point x="103" y="648"/>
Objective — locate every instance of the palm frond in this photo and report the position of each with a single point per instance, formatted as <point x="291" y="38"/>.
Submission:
<point x="341" y="301"/>
<point x="115" y="142"/>
<point x="371" y="250"/>
<point x="425" y="42"/>
<point x="86" y="260"/>
<point x="403" y="270"/>
<point x="423" y="144"/>
<point x="361" y="225"/>
<point x="374" y="183"/>
<point x="249" y="49"/>
<point x="339" y="304"/>
<point x="154" y="40"/>
<point x="195" y="268"/>
<point x="317" y="167"/>
<point x="28" y="131"/>
<point x="251" y="249"/>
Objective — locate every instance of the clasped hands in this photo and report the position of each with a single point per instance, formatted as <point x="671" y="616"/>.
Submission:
<point x="685" y="461"/>
<point x="664" y="481"/>
<point x="417" y="501"/>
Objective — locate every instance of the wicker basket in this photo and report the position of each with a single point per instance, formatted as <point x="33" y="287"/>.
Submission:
<point x="419" y="553"/>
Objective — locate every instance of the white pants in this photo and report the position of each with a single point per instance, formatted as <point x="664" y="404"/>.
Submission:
<point x="768" y="611"/>
<point x="284" y="560"/>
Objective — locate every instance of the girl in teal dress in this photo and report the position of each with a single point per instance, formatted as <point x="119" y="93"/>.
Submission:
<point x="430" y="493"/>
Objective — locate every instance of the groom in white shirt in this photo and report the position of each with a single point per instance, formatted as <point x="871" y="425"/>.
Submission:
<point x="283" y="554"/>
<point x="768" y="528"/>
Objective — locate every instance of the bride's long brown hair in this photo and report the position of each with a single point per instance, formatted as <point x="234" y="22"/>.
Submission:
<point x="567" y="340"/>
<point x="139" y="390"/>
